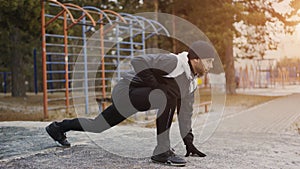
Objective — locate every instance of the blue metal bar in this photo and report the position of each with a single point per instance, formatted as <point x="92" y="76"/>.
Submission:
<point x="135" y="35"/>
<point x="140" y="31"/>
<point x="100" y="12"/>
<point x="150" y="35"/>
<point x="74" y="37"/>
<point x="69" y="37"/>
<point x="162" y="27"/>
<point x="118" y="52"/>
<point x="131" y="40"/>
<point x="54" y="81"/>
<point x="127" y="43"/>
<point x="133" y="28"/>
<point x="131" y="47"/>
<point x="55" y="63"/>
<point x="61" y="54"/>
<point x="89" y="63"/>
<point x="131" y="17"/>
<point x="57" y="72"/>
<point x="148" y="21"/>
<point x="86" y="91"/>
<point x="62" y="45"/>
<point x="81" y="63"/>
<point x="143" y="43"/>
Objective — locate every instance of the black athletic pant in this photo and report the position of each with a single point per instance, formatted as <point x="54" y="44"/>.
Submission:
<point x="111" y="116"/>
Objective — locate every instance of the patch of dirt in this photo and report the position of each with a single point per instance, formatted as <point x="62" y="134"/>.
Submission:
<point x="247" y="101"/>
<point x="30" y="108"/>
<point x="239" y="100"/>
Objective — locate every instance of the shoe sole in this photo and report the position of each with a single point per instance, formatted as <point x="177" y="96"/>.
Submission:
<point x="169" y="163"/>
<point x="49" y="132"/>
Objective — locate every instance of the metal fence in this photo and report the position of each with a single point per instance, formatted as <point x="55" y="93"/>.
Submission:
<point x="266" y="73"/>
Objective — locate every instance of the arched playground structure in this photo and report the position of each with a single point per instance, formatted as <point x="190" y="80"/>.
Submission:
<point x="72" y="35"/>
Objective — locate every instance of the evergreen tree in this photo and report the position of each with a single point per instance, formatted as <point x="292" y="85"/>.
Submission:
<point x="20" y="33"/>
<point x="217" y="18"/>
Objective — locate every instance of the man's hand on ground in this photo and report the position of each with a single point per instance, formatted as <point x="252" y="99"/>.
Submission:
<point x="193" y="151"/>
<point x="190" y="148"/>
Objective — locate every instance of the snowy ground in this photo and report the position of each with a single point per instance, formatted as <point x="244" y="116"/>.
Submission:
<point x="263" y="136"/>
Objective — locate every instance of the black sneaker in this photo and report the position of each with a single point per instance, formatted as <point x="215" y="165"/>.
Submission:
<point x="169" y="158"/>
<point x="57" y="135"/>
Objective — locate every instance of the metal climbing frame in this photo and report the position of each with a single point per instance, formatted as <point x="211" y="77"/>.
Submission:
<point x="66" y="32"/>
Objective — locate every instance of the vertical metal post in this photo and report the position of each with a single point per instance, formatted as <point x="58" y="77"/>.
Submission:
<point x="143" y="40"/>
<point x="66" y="62"/>
<point x="118" y="51"/>
<point x="102" y="61"/>
<point x="131" y="39"/>
<point x="44" y="59"/>
<point x="174" y="30"/>
<point x="86" y="90"/>
<point x="35" y="72"/>
<point x="143" y="53"/>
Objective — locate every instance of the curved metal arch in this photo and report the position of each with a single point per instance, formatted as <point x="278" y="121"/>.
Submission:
<point x="83" y="10"/>
<point x="148" y="21"/>
<point x="161" y="26"/>
<point x="132" y="17"/>
<point x="116" y="14"/>
<point x="64" y="9"/>
<point x="98" y="10"/>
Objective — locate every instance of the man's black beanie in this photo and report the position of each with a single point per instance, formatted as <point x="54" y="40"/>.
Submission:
<point x="201" y="49"/>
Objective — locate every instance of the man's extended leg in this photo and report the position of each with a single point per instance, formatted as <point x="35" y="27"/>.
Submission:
<point x="105" y="120"/>
<point x="110" y="117"/>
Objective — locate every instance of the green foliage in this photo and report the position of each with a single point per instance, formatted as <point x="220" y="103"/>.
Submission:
<point x="20" y="25"/>
<point x="20" y="33"/>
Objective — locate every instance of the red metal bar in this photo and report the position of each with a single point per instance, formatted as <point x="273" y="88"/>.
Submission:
<point x="64" y="9"/>
<point x="115" y="13"/>
<point x="81" y="17"/>
<point x="77" y="20"/>
<point x="54" y="18"/>
<point x="45" y="96"/>
<point x="66" y="61"/>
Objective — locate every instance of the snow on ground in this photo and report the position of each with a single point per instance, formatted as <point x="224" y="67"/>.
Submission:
<point x="259" y="137"/>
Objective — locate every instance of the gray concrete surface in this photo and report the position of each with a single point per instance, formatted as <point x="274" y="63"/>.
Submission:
<point x="260" y="137"/>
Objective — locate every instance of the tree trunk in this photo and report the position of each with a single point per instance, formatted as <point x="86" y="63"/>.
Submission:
<point x="154" y="39"/>
<point x="229" y="68"/>
<point x="17" y="66"/>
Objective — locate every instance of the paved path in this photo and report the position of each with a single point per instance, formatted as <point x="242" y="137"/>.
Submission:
<point x="260" y="137"/>
<point x="275" y="116"/>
